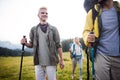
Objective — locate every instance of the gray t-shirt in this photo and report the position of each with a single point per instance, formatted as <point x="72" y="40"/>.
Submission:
<point x="43" y="50"/>
<point x="109" y="38"/>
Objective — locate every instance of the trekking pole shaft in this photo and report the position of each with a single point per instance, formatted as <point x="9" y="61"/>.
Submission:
<point x="93" y="71"/>
<point x="21" y="62"/>
<point x="23" y="45"/>
<point x="87" y="67"/>
<point x="92" y="55"/>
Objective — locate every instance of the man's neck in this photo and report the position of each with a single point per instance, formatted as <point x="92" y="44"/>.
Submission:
<point x="43" y="23"/>
<point x="108" y="5"/>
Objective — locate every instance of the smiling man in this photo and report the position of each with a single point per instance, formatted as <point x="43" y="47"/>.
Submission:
<point x="45" y="40"/>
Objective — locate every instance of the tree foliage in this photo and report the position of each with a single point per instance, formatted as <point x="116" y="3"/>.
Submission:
<point x="66" y="44"/>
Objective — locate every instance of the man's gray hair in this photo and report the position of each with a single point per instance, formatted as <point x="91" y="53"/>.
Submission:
<point x="41" y="9"/>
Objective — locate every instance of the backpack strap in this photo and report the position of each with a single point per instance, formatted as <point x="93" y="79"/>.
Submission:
<point x="95" y="13"/>
<point x="73" y="48"/>
<point x="73" y="55"/>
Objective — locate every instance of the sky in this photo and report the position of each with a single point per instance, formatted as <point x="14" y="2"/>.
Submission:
<point x="18" y="16"/>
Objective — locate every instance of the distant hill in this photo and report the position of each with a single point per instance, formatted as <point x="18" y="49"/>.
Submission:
<point x="9" y="45"/>
<point x="10" y="52"/>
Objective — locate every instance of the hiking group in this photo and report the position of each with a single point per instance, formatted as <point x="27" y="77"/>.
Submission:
<point x="102" y="20"/>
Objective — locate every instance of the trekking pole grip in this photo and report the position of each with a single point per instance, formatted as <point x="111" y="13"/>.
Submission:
<point x="24" y="36"/>
<point x="91" y="32"/>
<point x="23" y="45"/>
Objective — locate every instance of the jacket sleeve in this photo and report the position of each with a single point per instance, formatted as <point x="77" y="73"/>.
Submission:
<point x="88" y="27"/>
<point x="31" y="35"/>
<point x="57" y="38"/>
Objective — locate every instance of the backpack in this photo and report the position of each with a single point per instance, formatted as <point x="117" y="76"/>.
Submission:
<point x="74" y="55"/>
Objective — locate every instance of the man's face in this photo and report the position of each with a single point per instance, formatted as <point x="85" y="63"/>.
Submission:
<point x="43" y="15"/>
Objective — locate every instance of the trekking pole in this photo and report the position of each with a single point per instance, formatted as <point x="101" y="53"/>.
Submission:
<point x="23" y="45"/>
<point x="87" y="64"/>
<point x="92" y="58"/>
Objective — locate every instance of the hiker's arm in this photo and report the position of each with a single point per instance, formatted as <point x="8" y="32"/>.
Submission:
<point x="24" y="41"/>
<point x="31" y="35"/>
<point x="88" y="27"/>
<point x="57" y="42"/>
<point x="60" y="52"/>
<point x="59" y="47"/>
<point x="29" y="45"/>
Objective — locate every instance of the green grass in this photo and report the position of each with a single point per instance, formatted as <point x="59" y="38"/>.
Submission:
<point x="10" y="66"/>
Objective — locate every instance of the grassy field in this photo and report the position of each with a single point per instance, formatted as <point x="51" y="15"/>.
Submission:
<point x="9" y="69"/>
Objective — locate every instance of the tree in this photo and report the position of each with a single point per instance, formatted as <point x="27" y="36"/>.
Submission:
<point x="9" y="52"/>
<point x="66" y="44"/>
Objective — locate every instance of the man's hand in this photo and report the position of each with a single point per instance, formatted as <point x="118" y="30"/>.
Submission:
<point x="91" y="38"/>
<point x="24" y="41"/>
<point x="61" y="63"/>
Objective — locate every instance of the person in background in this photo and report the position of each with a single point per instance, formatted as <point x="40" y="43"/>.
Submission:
<point x="76" y="56"/>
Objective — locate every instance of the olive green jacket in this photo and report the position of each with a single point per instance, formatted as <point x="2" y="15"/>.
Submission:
<point x="53" y="44"/>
